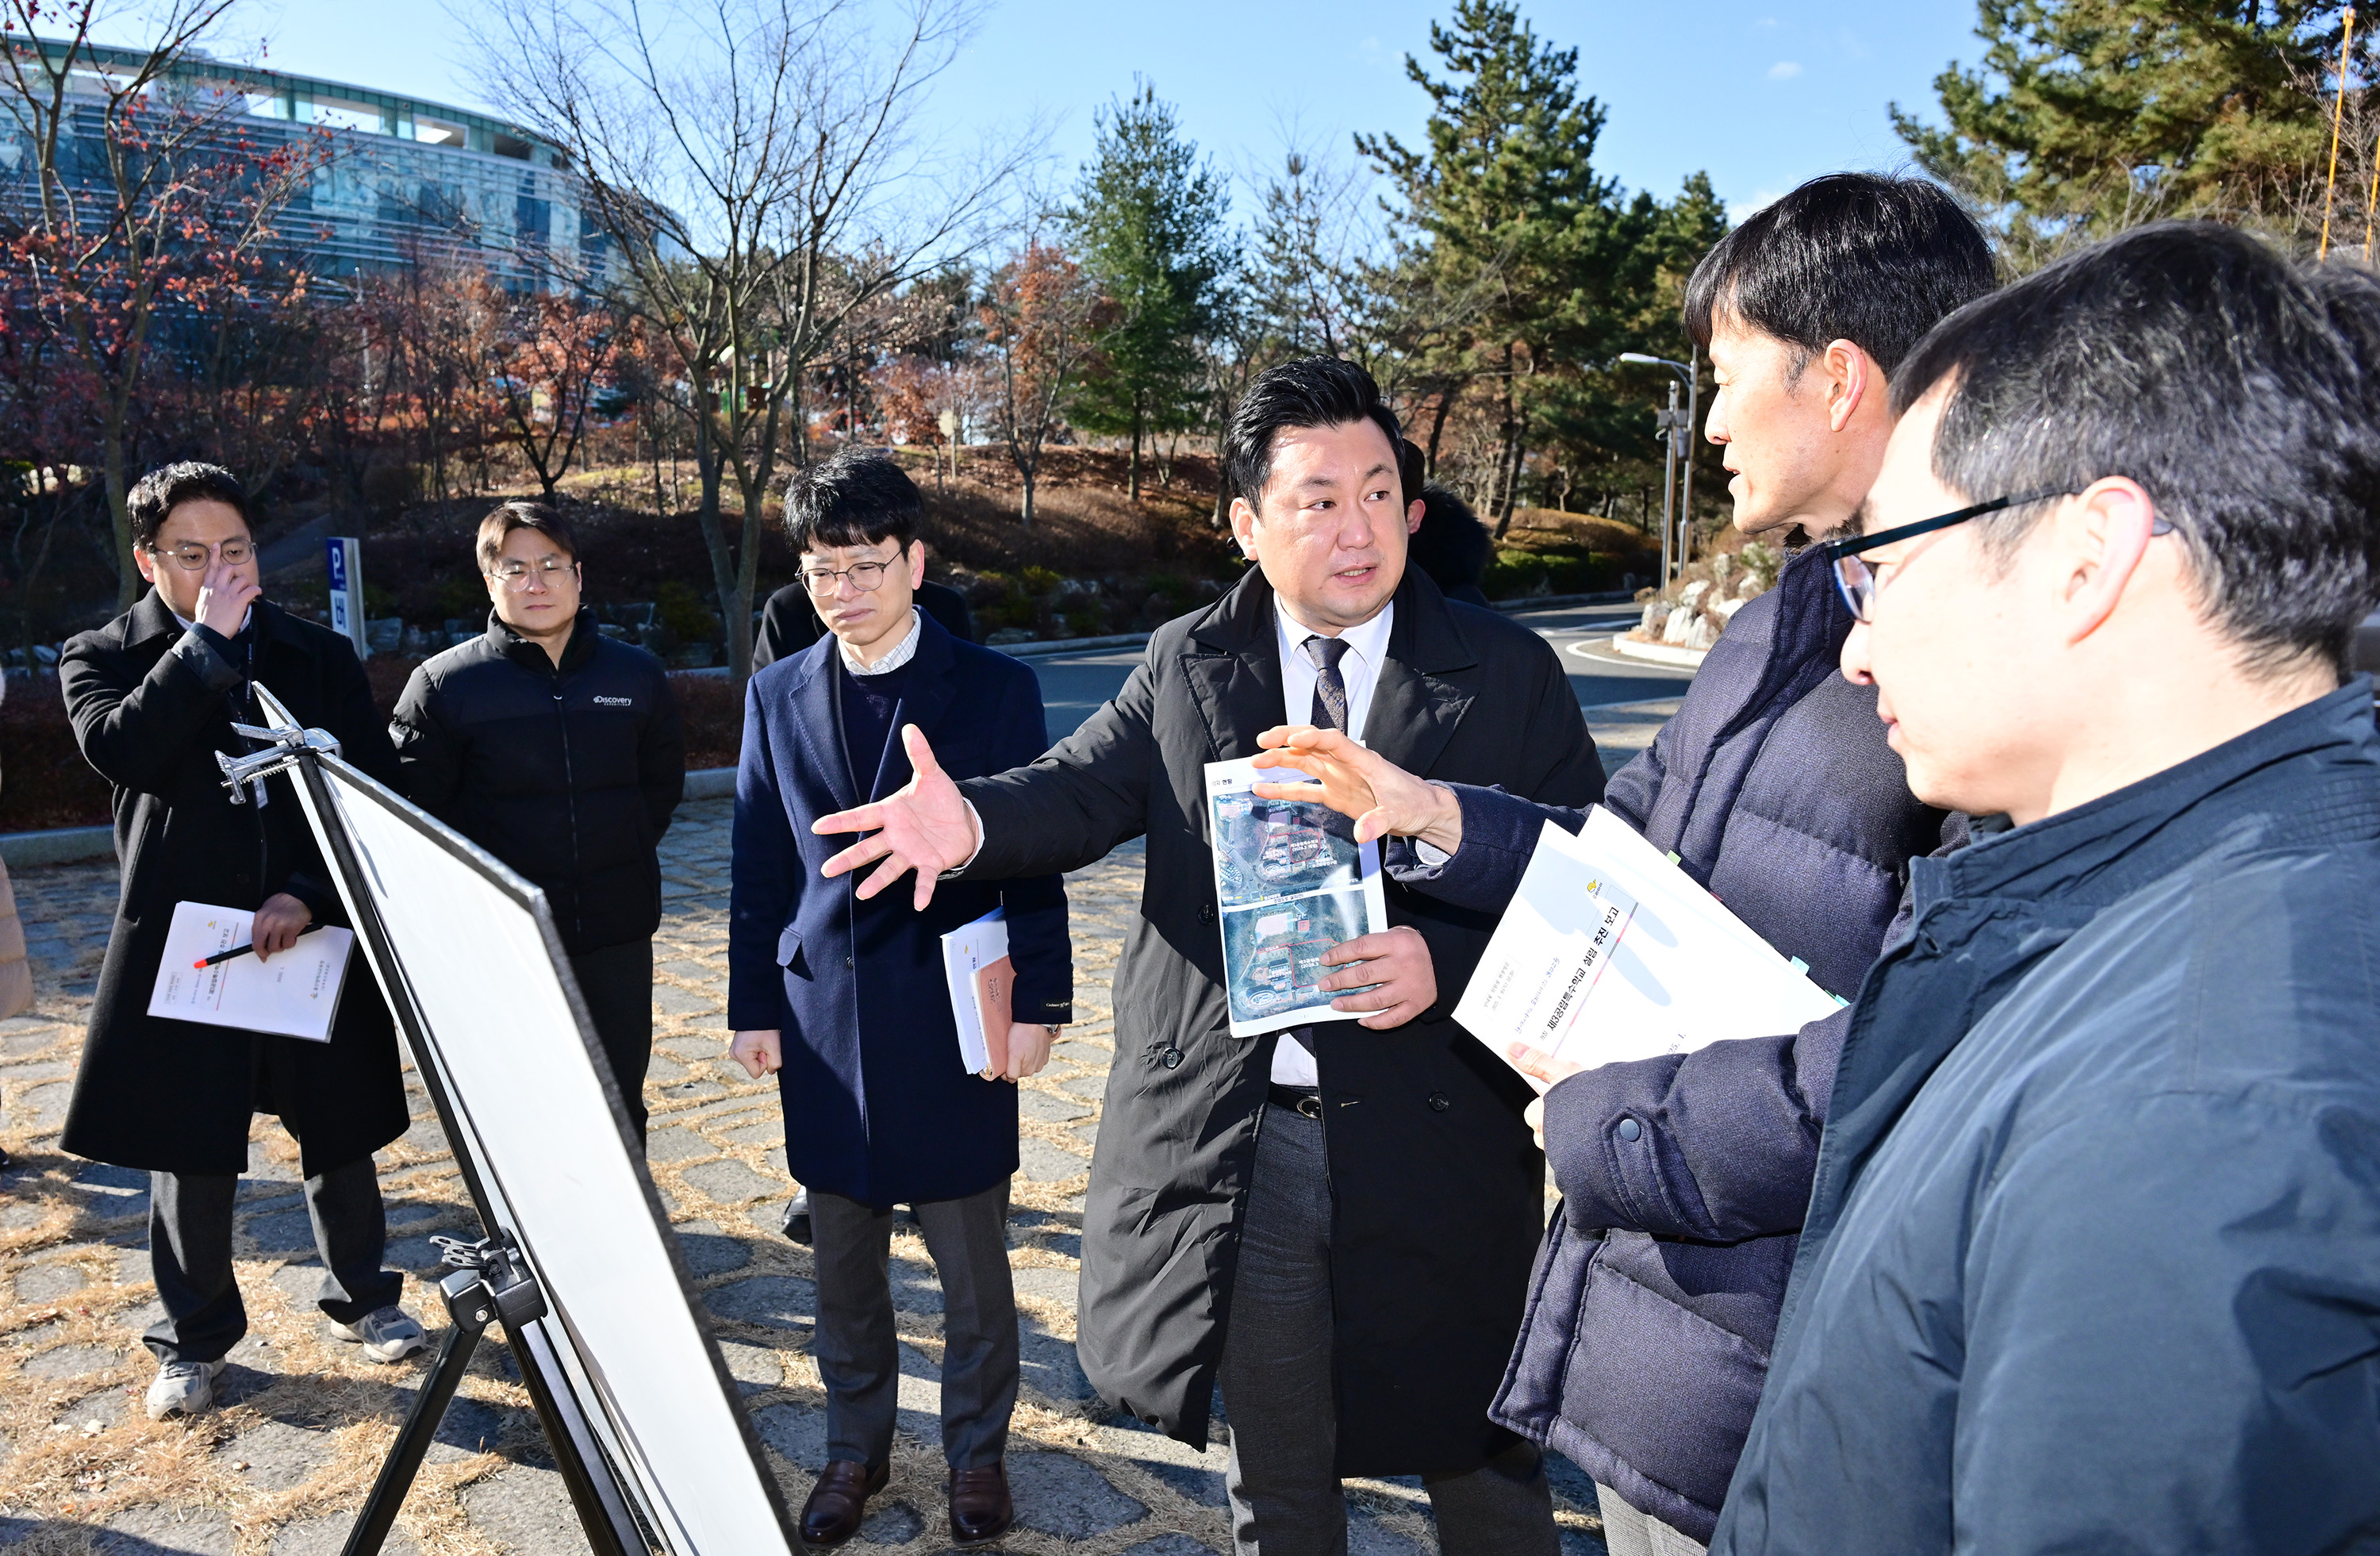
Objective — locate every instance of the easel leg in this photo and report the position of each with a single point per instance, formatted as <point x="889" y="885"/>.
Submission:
<point x="469" y="1311"/>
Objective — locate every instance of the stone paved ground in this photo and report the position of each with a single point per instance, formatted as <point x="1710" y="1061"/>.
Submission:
<point x="282" y="1469"/>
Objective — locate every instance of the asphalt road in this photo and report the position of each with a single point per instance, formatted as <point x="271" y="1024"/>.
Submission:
<point x="1073" y="687"/>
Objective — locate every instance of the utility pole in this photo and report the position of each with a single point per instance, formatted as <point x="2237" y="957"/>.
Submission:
<point x="1676" y="429"/>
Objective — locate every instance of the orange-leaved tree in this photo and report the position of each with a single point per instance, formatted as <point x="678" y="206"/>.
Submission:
<point x="1040" y="317"/>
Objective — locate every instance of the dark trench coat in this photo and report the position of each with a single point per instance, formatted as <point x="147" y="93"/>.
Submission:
<point x="1438" y="1188"/>
<point x="177" y="1096"/>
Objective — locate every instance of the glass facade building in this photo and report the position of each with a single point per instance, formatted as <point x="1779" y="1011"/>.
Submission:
<point x="398" y="179"/>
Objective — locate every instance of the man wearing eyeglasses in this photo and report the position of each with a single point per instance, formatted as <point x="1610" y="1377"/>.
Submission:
<point x="153" y="696"/>
<point x="560" y="751"/>
<point x="2093" y="1261"/>
<point x="846" y="1000"/>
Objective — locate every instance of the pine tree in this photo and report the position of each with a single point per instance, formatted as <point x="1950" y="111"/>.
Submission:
<point x="1149" y="224"/>
<point x="2087" y="115"/>
<point x="1510" y="213"/>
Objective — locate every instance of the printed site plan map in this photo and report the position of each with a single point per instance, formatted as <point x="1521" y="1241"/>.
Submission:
<point x="1291" y="882"/>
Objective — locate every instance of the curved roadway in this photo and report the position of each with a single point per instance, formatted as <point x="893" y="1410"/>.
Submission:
<point x="1625" y="699"/>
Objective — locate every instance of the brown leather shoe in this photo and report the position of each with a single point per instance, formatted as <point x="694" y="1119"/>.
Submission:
<point x="839" y="1500"/>
<point x="980" y="1510"/>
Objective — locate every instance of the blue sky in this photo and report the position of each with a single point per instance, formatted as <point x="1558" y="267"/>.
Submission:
<point x="1760" y="95"/>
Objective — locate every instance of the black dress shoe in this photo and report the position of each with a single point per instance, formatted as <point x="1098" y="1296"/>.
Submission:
<point x="797" y="1217"/>
<point x="980" y="1510"/>
<point x="839" y="1501"/>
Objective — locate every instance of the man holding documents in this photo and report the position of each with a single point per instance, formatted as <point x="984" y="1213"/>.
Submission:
<point x="850" y="1001"/>
<point x="1684" y="1170"/>
<point x="1338" y="1219"/>
<point x="153" y="695"/>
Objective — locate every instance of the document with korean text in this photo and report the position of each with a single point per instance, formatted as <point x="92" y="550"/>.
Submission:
<point x="294" y="995"/>
<point x="1610" y="952"/>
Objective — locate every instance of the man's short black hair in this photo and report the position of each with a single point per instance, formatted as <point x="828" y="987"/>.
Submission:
<point x="853" y="497"/>
<point x="155" y="495"/>
<point x="1452" y="545"/>
<point x="522" y="513"/>
<point x="1309" y="392"/>
<point x="2240" y="388"/>
<point x="1860" y="257"/>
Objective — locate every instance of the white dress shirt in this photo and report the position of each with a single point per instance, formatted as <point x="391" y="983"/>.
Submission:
<point x="1359" y="668"/>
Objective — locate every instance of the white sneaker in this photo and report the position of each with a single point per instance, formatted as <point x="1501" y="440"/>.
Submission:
<point x="387" y="1334"/>
<point x="184" y="1388"/>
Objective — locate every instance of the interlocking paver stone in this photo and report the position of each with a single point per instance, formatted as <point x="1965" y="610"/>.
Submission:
<point x="75" y="1295"/>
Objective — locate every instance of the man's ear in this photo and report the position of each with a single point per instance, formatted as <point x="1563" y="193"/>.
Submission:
<point x="142" y="559"/>
<point x="917" y="563"/>
<point x="1852" y="377"/>
<point x="1243" y="527"/>
<point x="2100" y="539"/>
<point x="1413" y="510"/>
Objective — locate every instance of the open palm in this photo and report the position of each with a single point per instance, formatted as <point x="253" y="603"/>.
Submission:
<point x="923" y="826"/>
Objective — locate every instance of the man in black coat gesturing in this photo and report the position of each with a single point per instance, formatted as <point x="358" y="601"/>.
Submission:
<point x="561" y="752"/>
<point x="153" y="695"/>
<point x="1337" y="1220"/>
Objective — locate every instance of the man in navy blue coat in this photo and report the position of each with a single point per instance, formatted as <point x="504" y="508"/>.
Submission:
<point x="848" y="1003"/>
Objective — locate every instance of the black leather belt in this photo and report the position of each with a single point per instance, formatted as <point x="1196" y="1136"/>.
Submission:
<point x="1302" y="1100"/>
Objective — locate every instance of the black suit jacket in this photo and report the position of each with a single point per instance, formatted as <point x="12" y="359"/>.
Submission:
<point x="1438" y="1191"/>
<point x="790" y="624"/>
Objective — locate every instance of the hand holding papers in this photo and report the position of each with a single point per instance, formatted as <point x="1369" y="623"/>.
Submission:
<point x="1610" y="952"/>
<point x="294" y="995"/>
<point x="975" y="958"/>
<point x="1292" y="882"/>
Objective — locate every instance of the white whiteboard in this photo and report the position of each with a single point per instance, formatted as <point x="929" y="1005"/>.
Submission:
<point x="475" y="951"/>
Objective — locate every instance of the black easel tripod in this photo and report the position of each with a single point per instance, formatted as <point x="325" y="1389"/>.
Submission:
<point x="494" y="1282"/>
<point x="491" y="1284"/>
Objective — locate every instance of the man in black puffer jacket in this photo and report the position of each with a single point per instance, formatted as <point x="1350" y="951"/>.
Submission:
<point x="560" y="751"/>
<point x="1655" y="1294"/>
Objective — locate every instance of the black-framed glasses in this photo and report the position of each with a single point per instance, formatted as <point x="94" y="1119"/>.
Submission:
<point x="1856" y="580"/>
<point x="864" y="577"/>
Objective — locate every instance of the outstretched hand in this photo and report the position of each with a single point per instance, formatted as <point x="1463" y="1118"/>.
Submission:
<point x="923" y="826"/>
<point x="1383" y="797"/>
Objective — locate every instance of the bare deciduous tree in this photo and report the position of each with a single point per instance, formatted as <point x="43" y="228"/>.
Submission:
<point x="758" y="165"/>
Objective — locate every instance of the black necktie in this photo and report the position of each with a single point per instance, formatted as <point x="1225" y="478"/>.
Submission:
<point x="1329" y="710"/>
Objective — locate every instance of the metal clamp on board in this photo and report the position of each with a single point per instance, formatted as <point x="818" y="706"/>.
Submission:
<point x="491" y="1283"/>
<point x="279" y="755"/>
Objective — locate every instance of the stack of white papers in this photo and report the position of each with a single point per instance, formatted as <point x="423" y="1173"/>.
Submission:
<point x="294" y="995"/>
<point x="982" y="979"/>
<point x="1610" y="951"/>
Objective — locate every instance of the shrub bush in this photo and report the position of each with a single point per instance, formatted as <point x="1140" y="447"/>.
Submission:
<point x="1515" y="575"/>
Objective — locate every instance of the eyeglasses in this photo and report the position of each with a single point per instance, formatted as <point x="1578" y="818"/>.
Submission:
<point x="514" y="572"/>
<point x="1857" y="580"/>
<point x="193" y="557"/>
<point x="864" y="577"/>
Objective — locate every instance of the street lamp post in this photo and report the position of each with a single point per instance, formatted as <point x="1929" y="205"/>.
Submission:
<point x="1680" y="436"/>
